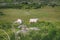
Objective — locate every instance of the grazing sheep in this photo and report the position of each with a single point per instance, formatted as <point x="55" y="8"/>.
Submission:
<point x="18" y="21"/>
<point x="33" y="20"/>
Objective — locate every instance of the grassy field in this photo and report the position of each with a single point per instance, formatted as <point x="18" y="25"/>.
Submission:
<point x="49" y="22"/>
<point x="46" y="13"/>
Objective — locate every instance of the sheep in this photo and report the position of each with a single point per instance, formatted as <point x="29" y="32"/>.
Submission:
<point x="19" y="21"/>
<point x="33" y="20"/>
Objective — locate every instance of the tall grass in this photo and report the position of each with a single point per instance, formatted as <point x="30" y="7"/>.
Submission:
<point x="48" y="31"/>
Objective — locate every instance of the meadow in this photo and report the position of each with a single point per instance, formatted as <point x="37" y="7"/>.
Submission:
<point x="48" y="23"/>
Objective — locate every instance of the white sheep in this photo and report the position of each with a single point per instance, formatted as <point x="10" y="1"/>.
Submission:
<point x="34" y="20"/>
<point x="18" y="21"/>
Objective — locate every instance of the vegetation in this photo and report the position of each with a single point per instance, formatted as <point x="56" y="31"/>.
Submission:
<point x="27" y="4"/>
<point x="48" y="31"/>
<point x="47" y="11"/>
<point x="1" y="14"/>
<point x="49" y="23"/>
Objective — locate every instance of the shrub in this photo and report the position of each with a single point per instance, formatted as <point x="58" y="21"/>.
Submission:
<point x="1" y="14"/>
<point x="52" y="4"/>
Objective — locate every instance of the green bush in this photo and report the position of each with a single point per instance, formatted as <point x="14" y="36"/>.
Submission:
<point x="23" y="5"/>
<point x="1" y="14"/>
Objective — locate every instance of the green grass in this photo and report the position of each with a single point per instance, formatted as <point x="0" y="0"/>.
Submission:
<point x="46" y="13"/>
<point x="49" y="23"/>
